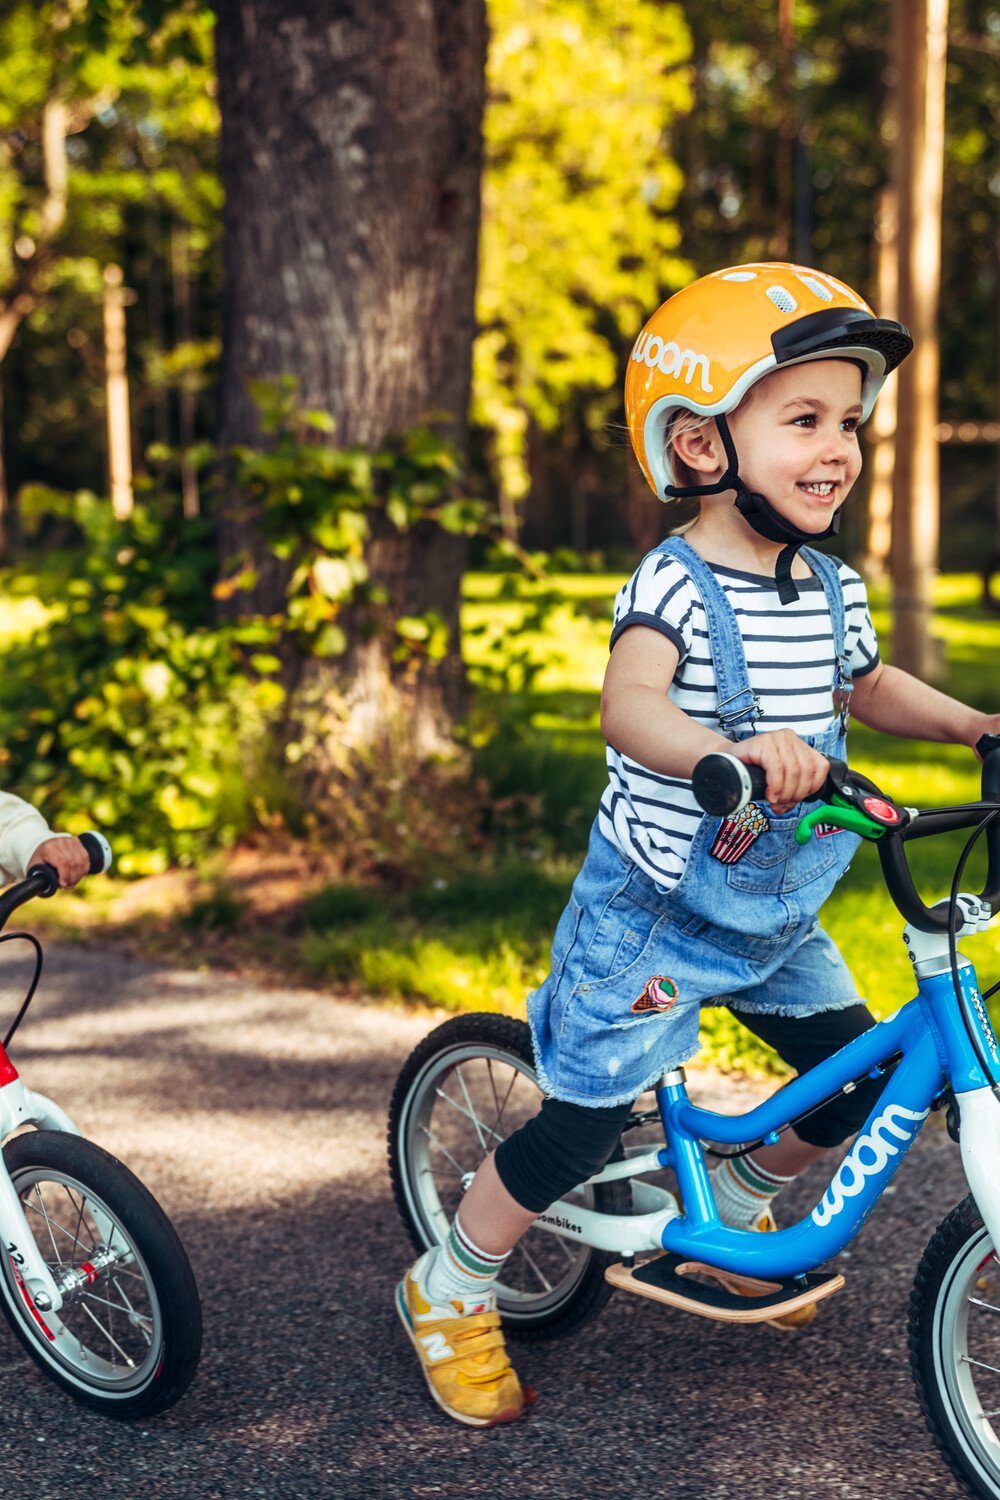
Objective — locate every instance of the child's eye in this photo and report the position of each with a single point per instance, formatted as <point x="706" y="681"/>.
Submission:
<point x="851" y="424"/>
<point x="807" y="419"/>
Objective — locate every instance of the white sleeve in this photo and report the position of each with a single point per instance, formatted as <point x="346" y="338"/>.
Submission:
<point x="22" y="829"/>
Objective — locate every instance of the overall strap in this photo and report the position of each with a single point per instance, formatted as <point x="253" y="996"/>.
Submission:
<point x="828" y="573"/>
<point x="739" y="707"/>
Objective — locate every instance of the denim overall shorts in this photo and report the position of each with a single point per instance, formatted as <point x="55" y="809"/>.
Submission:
<point x="632" y="963"/>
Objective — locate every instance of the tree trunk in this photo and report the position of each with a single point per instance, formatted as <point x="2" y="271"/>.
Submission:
<point x="920" y="41"/>
<point x="877" y="539"/>
<point x="351" y="157"/>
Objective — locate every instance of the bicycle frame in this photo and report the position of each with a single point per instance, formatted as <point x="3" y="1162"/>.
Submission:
<point x="935" y="1050"/>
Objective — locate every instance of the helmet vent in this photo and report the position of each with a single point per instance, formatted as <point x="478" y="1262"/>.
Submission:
<point x="740" y="276"/>
<point x="782" y="299"/>
<point x="817" y="288"/>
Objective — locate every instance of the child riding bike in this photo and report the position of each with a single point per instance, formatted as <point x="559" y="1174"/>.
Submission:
<point x="745" y="390"/>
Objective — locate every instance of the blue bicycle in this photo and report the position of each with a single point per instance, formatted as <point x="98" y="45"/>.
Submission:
<point x="471" y="1082"/>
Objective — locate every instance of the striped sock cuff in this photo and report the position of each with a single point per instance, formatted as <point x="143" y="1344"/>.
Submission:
<point x="468" y="1258"/>
<point x="753" y="1178"/>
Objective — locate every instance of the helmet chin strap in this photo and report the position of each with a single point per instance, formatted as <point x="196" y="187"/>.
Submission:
<point x="760" y="515"/>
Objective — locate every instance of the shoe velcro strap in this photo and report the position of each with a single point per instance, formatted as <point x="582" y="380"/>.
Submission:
<point x="456" y="1330"/>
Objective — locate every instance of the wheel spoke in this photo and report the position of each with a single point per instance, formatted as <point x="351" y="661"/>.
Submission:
<point x="107" y="1334"/>
<point x="466" y="1098"/>
<point x="443" y="1149"/>
<point x="472" y="1113"/>
<point x="967" y="1359"/>
<point x="47" y="1221"/>
<point x="468" y="1113"/>
<point x="500" y="1107"/>
<point x="47" y="1215"/>
<point x="988" y="1306"/>
<point x="526" y="1254"/>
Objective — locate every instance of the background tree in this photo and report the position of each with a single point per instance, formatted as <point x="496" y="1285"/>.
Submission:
<point x="351" y="157"/>
<point x="135" y="87"/>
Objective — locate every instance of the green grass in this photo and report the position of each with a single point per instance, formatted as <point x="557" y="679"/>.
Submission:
<point x="481" y="940"/>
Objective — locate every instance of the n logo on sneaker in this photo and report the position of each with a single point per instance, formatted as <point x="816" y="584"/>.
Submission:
<point x="436" y="1346"/>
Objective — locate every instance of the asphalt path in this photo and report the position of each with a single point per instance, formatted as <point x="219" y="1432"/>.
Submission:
<point x="257" y="1117"/>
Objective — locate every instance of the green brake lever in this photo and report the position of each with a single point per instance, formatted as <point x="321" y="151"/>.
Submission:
<point x="843" y="814"/>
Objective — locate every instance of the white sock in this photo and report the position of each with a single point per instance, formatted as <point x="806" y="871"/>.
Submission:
<point x="460" y="1271"/>
<point x="743" y="1191"/>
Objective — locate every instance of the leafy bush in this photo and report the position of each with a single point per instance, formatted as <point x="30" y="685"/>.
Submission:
<point x="132" y="708"/>
<point x="127" y="709"/>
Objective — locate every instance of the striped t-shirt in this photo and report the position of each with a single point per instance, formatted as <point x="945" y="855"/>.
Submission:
<point x="791" y="660"/>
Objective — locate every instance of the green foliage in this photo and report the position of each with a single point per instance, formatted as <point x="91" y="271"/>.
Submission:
<point x="134" y="79"/>
<point x="316" y="506"/>
<point x="577" y="237"/>
<point x="127" y="710"/>
<point x="132" y="708"/>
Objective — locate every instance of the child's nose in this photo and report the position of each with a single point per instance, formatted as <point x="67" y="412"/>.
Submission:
<point x="838" y="446"/>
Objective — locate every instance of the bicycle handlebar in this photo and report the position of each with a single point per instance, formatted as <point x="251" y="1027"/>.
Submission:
<point x="42" y="880"/>
<point x="723" y="785"/>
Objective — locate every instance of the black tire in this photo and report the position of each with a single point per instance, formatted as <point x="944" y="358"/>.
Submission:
<point x="955" y="1348"/>
<point x="550" y="1286"/>
<point x="127" y="1345"/>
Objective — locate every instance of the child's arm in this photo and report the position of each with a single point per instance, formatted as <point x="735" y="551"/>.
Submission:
<point x="892" y="701"/>
<point x="641" y="722"/>
<point x="26" y="839"/>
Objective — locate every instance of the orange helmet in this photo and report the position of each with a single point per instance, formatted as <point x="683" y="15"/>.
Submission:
<point x="709" y="343"/>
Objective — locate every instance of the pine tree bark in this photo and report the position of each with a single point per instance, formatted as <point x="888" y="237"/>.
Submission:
<point x="351" y="157"/>
<point x="920" y="44"/>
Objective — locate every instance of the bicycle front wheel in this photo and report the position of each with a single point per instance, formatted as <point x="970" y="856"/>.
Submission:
<point x="955" y="1347"/>
<point x="128" y="1336"/>
<point x="464" y="1089"/>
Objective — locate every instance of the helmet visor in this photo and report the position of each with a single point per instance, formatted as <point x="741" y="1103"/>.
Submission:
<point x="842" y="328"/>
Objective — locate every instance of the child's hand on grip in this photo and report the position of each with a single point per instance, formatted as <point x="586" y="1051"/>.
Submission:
<point x="794" y="769"/>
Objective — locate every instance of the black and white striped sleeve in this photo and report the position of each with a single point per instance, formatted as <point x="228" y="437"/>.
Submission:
<point x="660" y="595"/>
<point x="860" y="640"/>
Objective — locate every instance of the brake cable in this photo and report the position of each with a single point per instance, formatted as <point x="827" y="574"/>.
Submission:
<point x="9" y="937"/>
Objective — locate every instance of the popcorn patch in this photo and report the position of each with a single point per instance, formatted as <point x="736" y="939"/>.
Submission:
<point x="737" y="834"/>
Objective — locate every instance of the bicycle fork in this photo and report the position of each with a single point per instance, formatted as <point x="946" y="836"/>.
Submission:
<point x="20" y="1106"/>
<point x="979" y="1139"/>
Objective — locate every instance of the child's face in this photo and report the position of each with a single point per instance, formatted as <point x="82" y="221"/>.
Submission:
<point x="797" y="440"/>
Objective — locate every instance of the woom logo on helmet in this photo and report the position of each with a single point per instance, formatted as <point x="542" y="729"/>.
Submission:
<point x="671" y="359"/>
<point x="869" y="1155"/>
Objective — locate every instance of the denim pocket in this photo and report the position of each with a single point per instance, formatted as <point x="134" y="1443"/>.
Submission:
<point x="775" y="866"/>
<point x="620" y="937"/>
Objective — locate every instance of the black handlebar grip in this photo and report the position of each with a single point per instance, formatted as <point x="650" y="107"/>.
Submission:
<point x="99" y="852"/>
<point x="723" y="785"/>
<point x="985" y="747"/>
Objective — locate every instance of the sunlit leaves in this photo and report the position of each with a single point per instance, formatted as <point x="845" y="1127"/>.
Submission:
<point x="578" y="241"/>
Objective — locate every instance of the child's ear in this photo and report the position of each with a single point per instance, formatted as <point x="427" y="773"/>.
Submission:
<point x="700" y="449"/>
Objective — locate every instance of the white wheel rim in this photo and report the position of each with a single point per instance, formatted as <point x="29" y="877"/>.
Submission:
<point x="967" y="1376"/>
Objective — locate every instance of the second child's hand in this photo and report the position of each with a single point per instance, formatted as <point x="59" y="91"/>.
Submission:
<point x="794" y="769"/>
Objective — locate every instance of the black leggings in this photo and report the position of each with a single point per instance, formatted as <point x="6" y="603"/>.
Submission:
<point x="564" y="1144"/>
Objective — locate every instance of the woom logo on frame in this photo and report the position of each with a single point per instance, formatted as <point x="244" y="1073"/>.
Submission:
<point x="869" y="1155"/>
<point x="670" y="359"/>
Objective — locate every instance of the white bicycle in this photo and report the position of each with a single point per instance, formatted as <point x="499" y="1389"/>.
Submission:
<point x="94" y="1282"/>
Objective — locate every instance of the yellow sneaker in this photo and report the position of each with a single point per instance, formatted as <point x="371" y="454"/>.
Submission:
<point x="462" y="1353"/>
